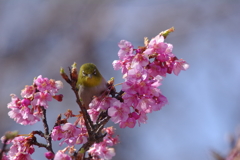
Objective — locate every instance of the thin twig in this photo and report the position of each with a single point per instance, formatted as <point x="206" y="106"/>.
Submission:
<point x="100" y="117"/>
<point x="3" y="148"/>
<point x="58" y="121"/>
<point x="102" y="123"/>
<point x="47" y="136"/>
<point x="32" y="140"/>
<point x="40" y="133"/>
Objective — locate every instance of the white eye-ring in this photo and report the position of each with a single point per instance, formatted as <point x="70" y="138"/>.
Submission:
<point x="84" y="74"/>
<point x="94" y="72"/>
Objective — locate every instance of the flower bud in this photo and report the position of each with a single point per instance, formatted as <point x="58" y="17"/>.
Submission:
<point x="49" y="155"/>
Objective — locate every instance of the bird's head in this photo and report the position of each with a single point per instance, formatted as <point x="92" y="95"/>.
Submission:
<point x="89" y="75"/>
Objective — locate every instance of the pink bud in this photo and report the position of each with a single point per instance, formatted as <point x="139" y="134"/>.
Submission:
<point x="58" y="97"/>
<point x="49" y="155"/>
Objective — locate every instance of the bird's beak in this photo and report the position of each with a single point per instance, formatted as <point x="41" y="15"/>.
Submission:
<point x="89" y="75"/>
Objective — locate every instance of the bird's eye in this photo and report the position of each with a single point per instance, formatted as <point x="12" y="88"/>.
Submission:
<point x="84" y="74"/>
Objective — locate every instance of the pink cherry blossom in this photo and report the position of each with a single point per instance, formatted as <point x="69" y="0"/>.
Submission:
<point x="20" y="111"/>
<point x="117" y="64"/>
<point x="60" y="155"/>
<point x="28" y="117"/>
<point x="15" y="103"/>
<point x="157" y="68"/>
<point x="140" y="60"/>
<point x="101" y="103"/>
<point x="179" y="65"/>
<point x="28" y="91"/>
<point x="156" y="45"/>
<point x="101" y="151"/>
<point x="137" y="73"/>
<point x="41" y="99"/>
<point x="109" y="139"/>
<point x="95" y="103"/>
<point x="109" y="130"/>
<point x="42" y="83"/>
<point x="20" y="149"/>
<point x="118" y="112"/>
<point x="70" y="134"/>
<point x="130" y="86"/>
<point x="126" y="48"/>
<point x="169" y="50"/>
<point x="81" y="138"/>
<point x="130" y="99"/>
<point x="49" y="85"/>
<point x="94" y="113"/>
<point x="106" y="102"/>
<point x="144" y="104"/>
<point x="142" y="118"/>
<point x="54" y="86"/>
<point x="130" y="122"/>
<point x="21" y="156"/>
<point x="134" y="115"/>
<point x="160" y="101"/>
<point x="57" y="133"/>
<point x="26" y="102"/>
<point x="143" y="88"/>
<point x="58" y="85"/>
<point x="125" y="64"/>
<point x="98" y="104"/>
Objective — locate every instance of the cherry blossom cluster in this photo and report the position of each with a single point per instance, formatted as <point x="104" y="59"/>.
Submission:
<point x="98" y="151"/>
<point x="102" y="150"/>
<point x="143" y="69"/>
<point x="62" y="155"/>
<point x="70" y="133"/>
<point x="20" y="149"/>
<point x="27" y="111"/>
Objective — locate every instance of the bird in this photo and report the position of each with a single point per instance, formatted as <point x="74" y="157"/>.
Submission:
<point x="90" y="83"/>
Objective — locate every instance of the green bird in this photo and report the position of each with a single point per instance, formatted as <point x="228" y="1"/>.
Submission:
<point x="90" y="83"/>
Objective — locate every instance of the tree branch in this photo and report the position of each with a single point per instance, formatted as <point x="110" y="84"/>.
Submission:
<point x="3" y="148"/>
<point x="94" y="130"/>
<point x="47" y="136"/>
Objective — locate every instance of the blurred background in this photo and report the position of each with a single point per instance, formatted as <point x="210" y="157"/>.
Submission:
<point x="39" y="37"/>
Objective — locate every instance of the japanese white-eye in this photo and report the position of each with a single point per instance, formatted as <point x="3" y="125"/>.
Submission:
<point x="90" y="83"/>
